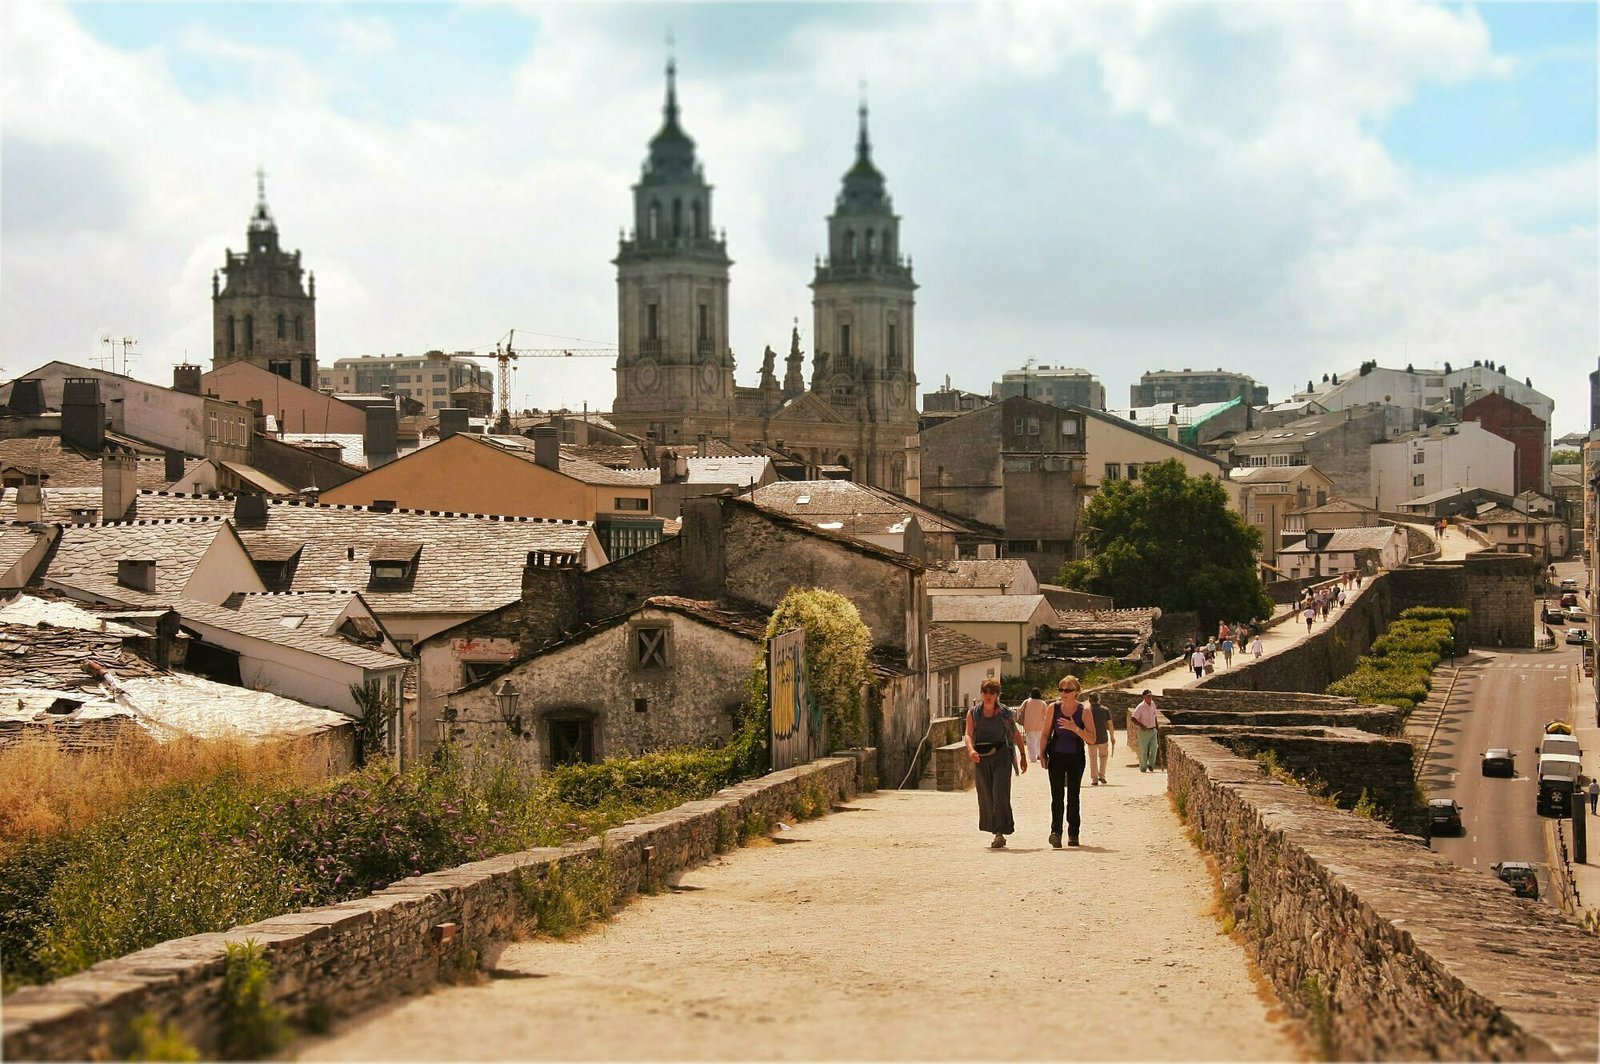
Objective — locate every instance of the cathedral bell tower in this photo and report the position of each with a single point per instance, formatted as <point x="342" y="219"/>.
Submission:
<point x="261" y="313"/>
<point x="673" y="359"/>
<point x="863" y="301"/>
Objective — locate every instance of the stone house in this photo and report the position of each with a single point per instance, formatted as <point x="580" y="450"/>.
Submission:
<point x="957" y="664"/>
<point x="1004" y="622"/>
<point x="671" y="672"/>
<point x="1512" y="531"/>
<point x="728" y="549"/>
<point x="1266" y="495"/>
<point x="1343" y="550"/>
<point x="1337" y="442"/>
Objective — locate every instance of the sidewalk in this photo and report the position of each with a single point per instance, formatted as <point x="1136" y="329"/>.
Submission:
<point x="886" y="932"/>
<point x="1582" y="713"/>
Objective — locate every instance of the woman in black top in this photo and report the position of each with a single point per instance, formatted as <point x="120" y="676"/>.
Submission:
<point x="994" y="744"/>
<point x="1071" y="731"/>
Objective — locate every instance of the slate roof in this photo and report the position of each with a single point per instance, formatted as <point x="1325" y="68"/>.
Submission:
<point x="1337" y="505"/>
<point x="738" y="470"/>
<point x="949" y="649"/>
<point x="1348" y="539"/>
<point x="984" y="609"/>
<point x="44" y="655"/>
<point x="612" y="455"/>
<point x="30" y="610"/>
<point x="1272" y="474"/>
<point x="467" y="564"/>
<point x="86" y="556"/>
<point x="68" y="467"/>
<point x="15" y="543"/>
<point x="1504" y="515"/>
<point x="302" y="621"/>
<point x="978" y="572"/>
<point x="573" y="466"/>
<point x="58" y="502"/>
<point x="814" y="500"/>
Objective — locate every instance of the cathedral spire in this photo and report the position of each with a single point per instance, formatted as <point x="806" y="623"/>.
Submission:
<point x="261" y="218"/>
<point x="863" y="145"/>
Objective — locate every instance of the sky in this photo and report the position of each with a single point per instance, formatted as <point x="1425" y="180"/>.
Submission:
<point x="1283" y="189"/>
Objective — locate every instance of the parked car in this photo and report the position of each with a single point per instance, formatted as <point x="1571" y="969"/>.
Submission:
<point x="1578" y="636"/>
<point x="1498" y="761"/>
<point x="1569" y="583"/>
<point x="1520" y="875"/>
<point x="1552" y="614"/>
<point x="1575" y="615"/>
<point x="1569" y="598"/>
<point x="1558" y="784"/>
<point x="1444" y="816"/>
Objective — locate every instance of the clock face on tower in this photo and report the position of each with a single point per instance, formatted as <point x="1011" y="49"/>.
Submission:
<point x="646" y="375"/>
<point x="897" y="392"/>
<point x="709" y="377"/>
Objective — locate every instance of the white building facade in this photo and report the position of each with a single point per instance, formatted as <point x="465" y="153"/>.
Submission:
<point x="1432" y="460"/>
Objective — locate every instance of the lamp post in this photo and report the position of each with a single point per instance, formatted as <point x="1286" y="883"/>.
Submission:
<point x="507" y="695"/>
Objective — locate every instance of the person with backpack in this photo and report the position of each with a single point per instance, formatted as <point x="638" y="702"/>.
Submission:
<point x="1065" y="757"/>
<point x="994" y="744"/>
<point x="1100" y="753"/>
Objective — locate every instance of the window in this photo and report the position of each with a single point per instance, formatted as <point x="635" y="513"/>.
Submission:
<point x="389" y="572"/>
<point x="705" y="323"/>
<point x="283" y="327"/>
<point x="697" y="219"/>
<point x="249" y="332"/>
<point x="641" y="705"/>
<point x="473" y="671"/>
<point x="849" y="245"/>
<point x="1418" y="480"/>
<point x="677" y="217"/>
<point x="1418" y="457"/>
<point x="211" y="426"/>
<point x="440" y="378"/>
<point x="650" y="647"/>
<point x="894" y="347"/>
<point x="1133" y="470"/>
<point x="844" y="341"/>
<point x="1511" y="531"/>
<point x="231" y="336"/>
<point x="650" y="322"/>
<point x="653" y="222"/>
<point x="872" y="244"/>
<point x="405" y="646"/>
<point x="630" y="504"/>
<point x="1113" y="470"/>
<point x="299" y="327"/>
<point x="1017" y="429"/>
<point x="1261" y="518"/>
<point x="1004" y="649"/>
<point x="1033" y="426"/>
<point x="1069" y="427"/>
<point x="571" y="741"/>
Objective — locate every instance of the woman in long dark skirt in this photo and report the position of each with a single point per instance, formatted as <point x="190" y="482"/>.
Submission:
<point x="995" y="745"/>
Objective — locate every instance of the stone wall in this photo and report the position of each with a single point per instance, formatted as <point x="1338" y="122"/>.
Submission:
<point x="339" y="960"/>
<point x="1441" y="584"/>
<point x="1327" y="654"/>
<point x="1199" y="705"/>
<point x="1500" y="596"/>
<point x="1349" y="762"/>
<point x="897" y="721"/>
<point x="1387" y="950"/>
<point x="952" y="767"/>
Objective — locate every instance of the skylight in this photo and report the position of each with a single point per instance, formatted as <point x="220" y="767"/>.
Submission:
<point x="802" y="500"/>
<point x="293" y="620"/>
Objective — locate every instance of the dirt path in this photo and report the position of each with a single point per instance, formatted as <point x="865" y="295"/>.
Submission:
<point x="887" y="933"/>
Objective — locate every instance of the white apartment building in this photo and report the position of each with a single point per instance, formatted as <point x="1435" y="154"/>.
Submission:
<point x="428" y="380"/>
<point x="1433" y="460"/>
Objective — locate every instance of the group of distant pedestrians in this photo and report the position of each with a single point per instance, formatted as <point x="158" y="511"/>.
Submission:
<point x="1324" y="600"/>
<point x="1202" y="657"/>
<point x="1066" y="737"/>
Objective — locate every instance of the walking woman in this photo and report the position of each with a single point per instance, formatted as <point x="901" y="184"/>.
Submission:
<point x="994" y="744"/>
<point x="1071" y="733"/>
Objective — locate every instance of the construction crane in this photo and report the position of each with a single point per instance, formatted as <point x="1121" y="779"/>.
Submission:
<point x="505" y="355"/>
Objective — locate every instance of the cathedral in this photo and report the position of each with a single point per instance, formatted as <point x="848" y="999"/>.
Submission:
<point x="261" y="313"/>
<point x="674" y="366"/>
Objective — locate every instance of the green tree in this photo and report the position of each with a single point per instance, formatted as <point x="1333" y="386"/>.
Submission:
<point x="1565" y="457"/>
<point x="1169" y="540"/>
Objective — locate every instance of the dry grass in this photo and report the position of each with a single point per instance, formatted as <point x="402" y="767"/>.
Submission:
<point x="45" y="790"/>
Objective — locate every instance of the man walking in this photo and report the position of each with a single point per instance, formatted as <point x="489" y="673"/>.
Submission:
<point x="1100" y="752"/>
<point x="1144" y="715"/>
<point x="1594" y="796"/>
<point x="1035" y="714"/>
<point x="1197" y="662"/>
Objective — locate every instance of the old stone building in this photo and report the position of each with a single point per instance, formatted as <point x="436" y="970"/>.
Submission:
<point x="261" y="313"/>
<point x="675" y="369"/>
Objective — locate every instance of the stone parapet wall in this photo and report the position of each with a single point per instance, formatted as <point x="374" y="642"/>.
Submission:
<point x="1386" y="949"/>
<point x="952" y="767"/>
<point x="1329" y="652"/>
<point x="1500" y="596"/>
<point x="341" y="959"/>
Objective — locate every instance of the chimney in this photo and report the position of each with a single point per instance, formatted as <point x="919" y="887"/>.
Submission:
<point x="382" y="435"/>
<point x="259" y="422"/>
<point x="137" y="573"/>
<point x="27" y="396"/>
<point x="700" y="446"/>
<point x="547" y="447"/>
<point x="552" y="582"/>
<point x="249" y="509"/>
<point x="381" y="506"/>
<point x="186" y="379"/>
<point x="119" y="485"/>
<point x="1173" y="430"/>
<point x="174" y="466"/>
<point x="452" y="419"/>
<point x="702" y="558"/>
<point x="30" y="503"/>
<point x="83" y="415"/>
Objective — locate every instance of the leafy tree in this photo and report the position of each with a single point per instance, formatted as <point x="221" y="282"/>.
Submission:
<point x="1565" y="457"/>
<point x="376" y="724"/>
<point x="1169" y="540"/>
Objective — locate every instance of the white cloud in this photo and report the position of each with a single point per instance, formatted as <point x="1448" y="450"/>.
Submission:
<point x="1120" y="186"/>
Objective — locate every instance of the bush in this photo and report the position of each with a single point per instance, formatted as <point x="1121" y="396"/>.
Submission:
<point x="1399" y="671"/>
<point x="252" y="1023"/>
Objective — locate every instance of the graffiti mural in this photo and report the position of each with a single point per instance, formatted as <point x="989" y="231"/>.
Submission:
<point x="795" y="721"/>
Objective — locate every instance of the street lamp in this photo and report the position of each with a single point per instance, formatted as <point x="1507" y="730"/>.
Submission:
<point x="507" y="695"/>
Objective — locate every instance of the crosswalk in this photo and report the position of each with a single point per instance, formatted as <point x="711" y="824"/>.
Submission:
<point x="1521" y="666"/>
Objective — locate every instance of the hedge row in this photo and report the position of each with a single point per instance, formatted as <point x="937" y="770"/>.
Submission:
<point x="1399" y="671"/>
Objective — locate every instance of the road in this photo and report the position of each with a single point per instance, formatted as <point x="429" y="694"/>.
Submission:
<point x="1501" y="698"/>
